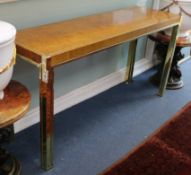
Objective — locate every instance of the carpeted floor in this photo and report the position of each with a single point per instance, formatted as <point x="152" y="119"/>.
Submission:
<point x="167" y="152"/>
<point x="94" y="134"/>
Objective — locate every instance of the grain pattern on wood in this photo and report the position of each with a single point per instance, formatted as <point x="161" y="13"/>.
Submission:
<point x="15" y="103"/>
<point x="68" y="40"/>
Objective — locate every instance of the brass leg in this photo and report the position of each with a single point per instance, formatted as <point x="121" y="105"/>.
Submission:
<point x="46" y="118"/>
<point x="168" y="61"/>
<point x="131" y="61"/>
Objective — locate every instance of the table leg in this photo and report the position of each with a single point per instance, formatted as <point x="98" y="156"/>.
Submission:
<point x="131" y="60"/>
<point x="9" y="165"/>
<point x="46" y="118"/>
<point x="168" y="61"/>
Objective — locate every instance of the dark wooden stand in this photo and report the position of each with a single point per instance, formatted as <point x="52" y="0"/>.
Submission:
<point x="175" y="77"/>
<point x="13" y="107"/>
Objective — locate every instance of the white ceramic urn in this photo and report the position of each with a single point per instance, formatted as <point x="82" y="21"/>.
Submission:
<point x="182" y="7"/>
<point x="7" y="54"/>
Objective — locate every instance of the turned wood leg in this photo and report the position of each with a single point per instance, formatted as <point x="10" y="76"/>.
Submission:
<point x="131" y="61"/>
<point x="9" y="165"/>
<point x="175" y="76"/>
<point x="168" y="61"/>
<point x="46" y="117"/>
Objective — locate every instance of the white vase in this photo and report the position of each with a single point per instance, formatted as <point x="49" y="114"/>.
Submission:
<point x="185" y="12"/>
<point x="7" y="46"/>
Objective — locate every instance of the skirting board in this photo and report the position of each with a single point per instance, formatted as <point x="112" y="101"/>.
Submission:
<point x="83" y="93"/>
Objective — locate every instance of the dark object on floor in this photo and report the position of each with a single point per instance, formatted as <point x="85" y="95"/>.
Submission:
<point x="12" y="107"/>
<point x="175" y="77"/>
<point x="166" y="152"/>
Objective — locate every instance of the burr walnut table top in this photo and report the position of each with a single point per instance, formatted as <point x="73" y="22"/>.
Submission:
<point x="14" y="104"/>
<point x="66" y="41"/>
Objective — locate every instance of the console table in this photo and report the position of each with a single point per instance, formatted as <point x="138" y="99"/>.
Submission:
<point x="56" y="44"/>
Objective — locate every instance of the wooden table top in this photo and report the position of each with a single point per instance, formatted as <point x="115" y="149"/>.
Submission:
<point x="68" y="40"/>
<point x="15" y="104"/>
<point x="181" y="41"/>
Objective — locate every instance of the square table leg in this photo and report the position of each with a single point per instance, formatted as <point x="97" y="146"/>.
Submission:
<point x="168" y="61"/>
<point x="46" y="118"/>
<point x="131" y="60"/>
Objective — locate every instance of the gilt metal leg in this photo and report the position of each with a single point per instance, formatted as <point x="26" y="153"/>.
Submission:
<point x="46" y="117"/>
<point x="168" y="61"/>
<point x="131" y="61"/>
